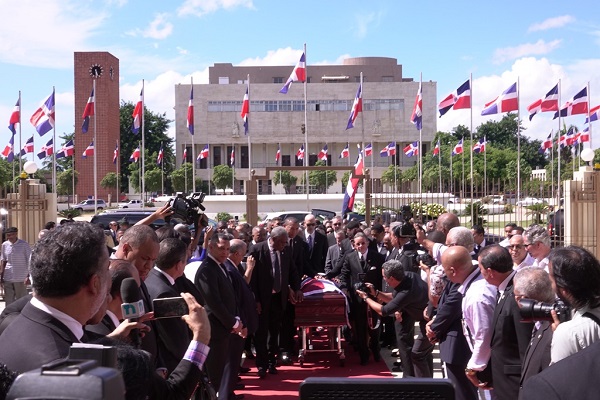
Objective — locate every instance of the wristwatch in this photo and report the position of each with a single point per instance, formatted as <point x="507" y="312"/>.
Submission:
<point x="470" y="371"/>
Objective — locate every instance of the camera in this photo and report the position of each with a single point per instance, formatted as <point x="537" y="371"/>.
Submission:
<point x="425" y="258"/>
<point x="187" y="209"/>
<point x="361" y="284"/>
<point x="532" y="310"/>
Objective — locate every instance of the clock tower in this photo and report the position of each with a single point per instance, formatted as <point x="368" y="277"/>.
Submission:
<point x="103" y="68"/>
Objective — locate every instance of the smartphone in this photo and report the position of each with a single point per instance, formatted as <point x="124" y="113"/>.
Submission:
<point x="169" y="307"/>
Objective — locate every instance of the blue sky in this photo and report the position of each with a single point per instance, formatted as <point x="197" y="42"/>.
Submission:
<point x="167" y="42"/>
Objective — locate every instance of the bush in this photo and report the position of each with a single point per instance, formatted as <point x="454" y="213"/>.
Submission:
<point x="224" y="216"/>
<point x="508" y="208"/>
<point x="69" y="213"/>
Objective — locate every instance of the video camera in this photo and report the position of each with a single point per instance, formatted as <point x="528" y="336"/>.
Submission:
<point x="187" y="209"/>
<point x="361" y="285"/>
<point x="425" y="258"/>
<point x="532" y="310"/>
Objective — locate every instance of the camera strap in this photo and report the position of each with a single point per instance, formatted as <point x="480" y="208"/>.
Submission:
<point x="592" y="317"/>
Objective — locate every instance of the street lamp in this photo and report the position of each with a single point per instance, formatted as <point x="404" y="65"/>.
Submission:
<point x="587" y="155"/>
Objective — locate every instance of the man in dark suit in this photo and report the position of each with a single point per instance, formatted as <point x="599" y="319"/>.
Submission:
<point x="317" y="246"/>
<point x="275" y="279"/>
<point x="378" y="233"/>
<point x="336" y="224"/>
<point x="216" y="288"/>
<point x="510" y="337"/>
<point x="363" y="265"/>
<point x="70" y="285"/>
<point x="333" y="261"/>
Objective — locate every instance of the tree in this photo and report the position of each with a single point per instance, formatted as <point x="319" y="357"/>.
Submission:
<point x="286" y="179"/>
<point x="110" y="182"/>
<point x="64" y="181"/>
<point x="222" y="176"/>
<point x="153" y="180"/>
<point x="392" y="176"/>
<point x="322" y="180"/>
<point x="178" y="177"/>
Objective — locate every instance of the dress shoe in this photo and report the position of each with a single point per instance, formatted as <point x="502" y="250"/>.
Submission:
<point x="249" y="355"/>
<point x="397" y="369"/>
<point x="376" y="356"/>
<point x="234" y="396"/>
<point x="244" y="370"/>
<point x="262" y="372"/>
<point x="286" y="359"/>
<point x="273" y="370"/>
<point x="395" y="352"/>
<point x="239" y="386"/>
<point x="397" y="363"/>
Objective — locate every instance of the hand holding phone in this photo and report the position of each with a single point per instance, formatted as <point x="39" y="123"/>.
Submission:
<point x="169" y="307"/>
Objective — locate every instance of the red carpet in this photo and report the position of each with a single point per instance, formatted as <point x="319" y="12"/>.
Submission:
<point x="285" y="384"/>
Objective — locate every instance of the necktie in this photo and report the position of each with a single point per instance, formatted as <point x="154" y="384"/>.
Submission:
<point x="310" y="242"/>
<point x="497" y="297"/>
<point x="361" y="257"/>
<point x="276" y="273"/>
<point x="224" y="268"/>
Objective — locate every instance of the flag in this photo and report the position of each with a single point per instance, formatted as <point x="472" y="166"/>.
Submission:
<point x="546" y="144"/>
<point x="43" y="118"/>
<point x="47" y="150"/>
<point x="67" y="150"/>
<point x="232" y="157"/>
<point x="159" y="158"/>
<point x="298" y="74"/>
<point x="417" y="114"/>
<point x="246" y="109"/>
<point x="135" y="156"/>
<point x="8" y="150"/>
<point x="352" y="185"/>
<point x="300" y="153"/>
<point x="412" y="149"/>
<point x="571" y="136"/>
<point x="356" y="108"/>
<point x="203" y="154"/>
<point x="89" y="151"/>
<point x="594" y="114"/>
<point x="323" y="153"/>
<point x="507" y="101"/>
<point x="577" y="105"/>
<point x="116" y="153"/>
<point x="190" y="116"/>
<point x="368" y="150"/>
<point x="389" y="150"/>
<point x="584" y="136"/>
<point x="479" y="146"/>
<point x="15" y="117"/>
<point x="458" y="149"/>
<point x="346" y="151"/>
<point x="436" y="149"/>
<point x="278" y="155"/>
<point x="562" y="141"/>
<point x="88" y="111"/>
<point x="548" y="103"/>
<point x="138" y="112"/>
<point x="27" y="147"/>
<point x="184" y="156"/>
<point x="460" y="98"/>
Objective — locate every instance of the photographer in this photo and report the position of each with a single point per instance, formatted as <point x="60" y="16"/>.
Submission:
<point x="575" y="277"/>
<point x="408" y="298"/>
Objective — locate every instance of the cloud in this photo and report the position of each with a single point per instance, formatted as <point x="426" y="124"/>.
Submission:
<point x="285" y="56"/>
<point x="551" y="23"/>
<point x="158" y="29"/>
<point x="182" y="51"/>
<point x="203" y="7"/>
<point x="538" y="48"/>
<point x="366" y="21"/>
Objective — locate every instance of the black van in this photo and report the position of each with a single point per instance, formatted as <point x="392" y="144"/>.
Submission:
<point x="105" y="217"/>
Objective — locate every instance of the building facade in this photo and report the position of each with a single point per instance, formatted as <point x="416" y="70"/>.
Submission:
<point x="279" y="121"/>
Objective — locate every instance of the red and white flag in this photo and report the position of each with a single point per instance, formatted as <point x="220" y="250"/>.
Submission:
<point x="89" y="151"/>
<point x="298" y="74"/>
<point x="138" y="112"/>
<point x="548" y="103"/>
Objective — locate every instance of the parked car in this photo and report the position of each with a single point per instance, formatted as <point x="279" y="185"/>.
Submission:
<point x="132" y="204"/>
<point x="529" y="201"/>
<point x="556" y="227"/>
<point x="91" y="205"/>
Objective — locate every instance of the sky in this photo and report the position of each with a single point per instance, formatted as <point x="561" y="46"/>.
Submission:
<point x="169" y="42"/>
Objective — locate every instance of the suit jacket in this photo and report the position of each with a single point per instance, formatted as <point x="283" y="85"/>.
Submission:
<point x="298" y="248"/>
<point x="244" y="298"/>
<point x="180" y="384"/>
<point x="447" y="326"/>
<point x="537" y="356"/>
<point x="103" y="328"/>
<point x="333" y="261"/>
<point x="509" y="343"/>
<point x="173" y="334"/>
<point x="352" y="271"/>
<point x="262" y="276"/>
<point x="570" y="378"/>
<point x="150" y="340"/>
<point x="316" y="257"/>
<point x="34" y="338"/>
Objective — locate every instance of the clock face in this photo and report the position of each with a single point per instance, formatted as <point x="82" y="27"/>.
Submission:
<point x="96" y="71"/>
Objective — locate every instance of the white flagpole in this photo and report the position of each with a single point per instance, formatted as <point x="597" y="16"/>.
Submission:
<point x="420" y="147"/>
<point x="95" y="147"/>
<point x="471" y="152"/>
<point x="118" y="162"/>
<point x="588" y="117"/>
<point x="20" y="138"/>
<point x="558" y="145"/>
<point x="440" y="166"/>
<point x="248" y="135"/>
<point x="53" y="147"/>
<point x="142" y="175"/>
<point x="162" y="171"/>
<point x="194" y="147"/>
<point x="518" y="142"/>
<point x="485" y="167"/>
<point x="451" y="174"/>
<point x="306" y="153"/>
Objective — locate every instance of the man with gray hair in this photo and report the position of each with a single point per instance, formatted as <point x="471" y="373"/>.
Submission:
<point x="537" y="243"/>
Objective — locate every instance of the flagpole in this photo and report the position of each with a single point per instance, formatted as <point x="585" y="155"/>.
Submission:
<point x="20" y="140"/>
<point x="185" y="170"/>
<point x="118" y="162"/>
<point x="518" y="141"/>
<point x="143" y="185"/>
<point x="232" y="161"/>
<point x="194" y="147"/>
<point x="306" y="153"/>
<point x="248" y="135"/>
<point x="588" y="115"/>
<point x="462" y="185"/>
<point x="420" y="144"/>
<point x="451" y="174"/>
<point x="54" y="152"/>
<point x="485" y="167"/>
<point x="162" y="167"/>
<point x="440" y="166"/>
<point x="362" y="123"/>
<point x="558" y="146"/>
<point x="95" y="147"/>
<point x="552" y="163"/>
<point x="471" y="152"/>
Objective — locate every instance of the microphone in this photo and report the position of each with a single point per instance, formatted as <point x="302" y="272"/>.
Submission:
<point x="132" y="307"/>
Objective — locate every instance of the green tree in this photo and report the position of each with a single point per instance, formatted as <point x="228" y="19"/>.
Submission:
<point x="322" y="180"/>
<point x="110" y="182"/>
<point x="286" y="179"/>
<point x="178" y="178"/>
<point x="153" y="180"/>
<point x="222" y="176"/>
<point x="64" y="181"/>
<point x="392" y="176"/>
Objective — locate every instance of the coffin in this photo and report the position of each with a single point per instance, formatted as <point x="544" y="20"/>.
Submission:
<point x="321" y="309"/>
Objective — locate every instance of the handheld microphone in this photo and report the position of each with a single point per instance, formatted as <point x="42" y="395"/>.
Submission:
<point x="132" y="307"/>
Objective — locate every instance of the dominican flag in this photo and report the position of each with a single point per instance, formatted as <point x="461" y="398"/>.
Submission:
<point x="571" y="137"/>
<point x="232" y="157"/>
<point x="389" y="150"/>
<point x="346" y="152"/>
<point x="27" y="147"/>
<point x="47" y="150"/>
<point x="356" y="108"/>
<point x="138" y="113"/>
<point x="246" y="109"/>
<point x="88" y="111"/>
<point x="190" y="115"/>
<point x="184" y="156"/>
<point x="458" y="149"/>
<point x="507" y="101"/>
<point x="278" y="155"/>
<point x="368" y="150"/>
<point x="135" y="156"/>
<point x="203" y="154"/>
<point x="594" y="114"/>
<point x="298" y="74"/>
<point x="548" y="103"/>
<point x="116" y="153"/>
<point x="479" y="146"/>
<point x="436" y="149"/>
<point x="8" y="150"/>
<point x="160" y="157"/>
<point x="417" y="114"/>
<point x="43" y="117"/>
<point x="15" y="117"/>
<point x="460" y="98"/>
<point x="584" y="136"/>
<point x="352" y="185"/>
<point x="323" y="154"/>
<point x="412" y="149"/>
<point x="67" y="150"/>
<point x="577" y="105"/>
<point x="300" y="153"/>
<point x="89" y="151"/>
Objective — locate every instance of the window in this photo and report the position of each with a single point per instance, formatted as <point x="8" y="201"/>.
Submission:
<point x="189" y="154"/>
<point x="387" y="79"/>
<point x="278" y="79"/>
<point x="299" y="163"/>
<point x="271" y="105"/>
<point x="244" y="160"/>
<point x="216" y="151"/>
<point x="229" y="148"/>
<point x="286" y="161"/>
<point x="223" y="80"/>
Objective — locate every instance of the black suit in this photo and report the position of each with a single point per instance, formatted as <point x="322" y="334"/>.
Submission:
<point x="103" y="328"/>
<point x="173" y="334"/>
<point x="333" y="261"/>
<point x="509" y="343"/>
<point x="217" y="290"/>
<point x="537" y="356"/>
<point x="318" y="254"/>
<point x="150" y="340"/>
<point x="34" y="338"/>
<point x="180" y="384"/>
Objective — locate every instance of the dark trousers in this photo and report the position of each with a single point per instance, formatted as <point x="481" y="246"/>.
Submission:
<point x="217" y="362"/>
<point x="366" y="338"/>
<point x="232" y="368"/>
<point x="288" y="329"/>
<point x="266" y="338"/>
<point x="464" y="389"/>
<point x="422" y="354"/>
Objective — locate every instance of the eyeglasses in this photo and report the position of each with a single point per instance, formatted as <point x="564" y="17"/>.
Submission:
<point x="527" y="245"/>
<point x="311" y="224"/>
<point x="452" y="244"/>
<point x="516" y="246"/>
<point x="337" y="224"/>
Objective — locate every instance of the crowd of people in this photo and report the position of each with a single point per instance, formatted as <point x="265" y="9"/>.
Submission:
<point x="410" y="287"/>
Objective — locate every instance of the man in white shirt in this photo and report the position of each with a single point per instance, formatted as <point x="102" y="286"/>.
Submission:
<point x="537" y="243"/>
<point x="14" y="265"/>
<point x="521" y="258"/>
